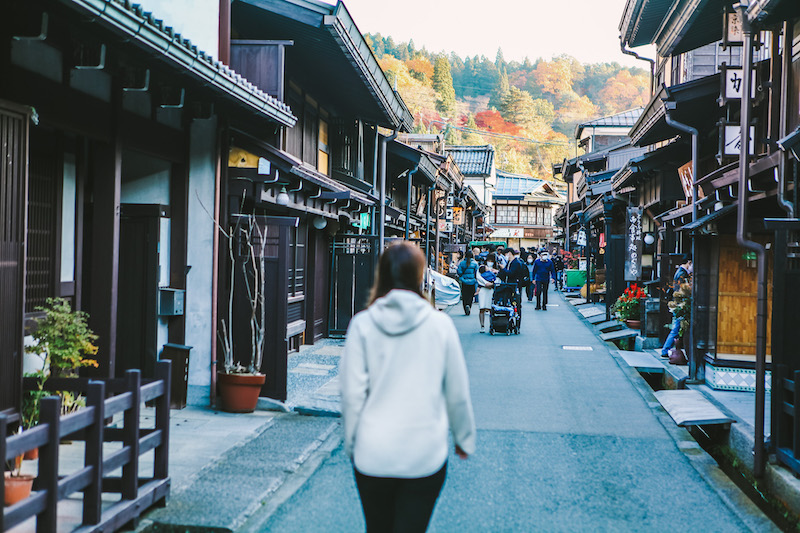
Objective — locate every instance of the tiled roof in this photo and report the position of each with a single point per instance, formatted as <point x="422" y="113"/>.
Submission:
<point x="473" y="160"/>
<point x="516" y="185"/>
<point x="135" y="23"/>
<point x="626" y="118"/>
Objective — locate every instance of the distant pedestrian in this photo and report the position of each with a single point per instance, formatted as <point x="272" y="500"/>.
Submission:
<point x="486" y="278"/>
<point x="404" y="383"/>
<point x="543" y="270"/>
<point x="558" y="264"/>
<point x="501" y="253"/>
<point x="467" y="269"/>
<point x="529" y="289"/>
<point x="514" y="272"/>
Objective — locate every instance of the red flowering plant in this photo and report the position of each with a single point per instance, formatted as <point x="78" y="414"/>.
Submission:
<point x="628" y="306"/>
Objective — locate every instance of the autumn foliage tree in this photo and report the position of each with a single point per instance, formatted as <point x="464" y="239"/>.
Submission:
<point x="529" y="107"/>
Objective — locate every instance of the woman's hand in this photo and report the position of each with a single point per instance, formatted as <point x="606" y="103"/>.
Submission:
<point x="461" y="453"/>
<point x="490" y="285"/>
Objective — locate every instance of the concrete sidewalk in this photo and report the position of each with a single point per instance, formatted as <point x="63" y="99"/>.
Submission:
<point x="225" y="467"/>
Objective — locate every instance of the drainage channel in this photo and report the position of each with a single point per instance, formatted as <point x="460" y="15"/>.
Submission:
<point x="709" y="438"/>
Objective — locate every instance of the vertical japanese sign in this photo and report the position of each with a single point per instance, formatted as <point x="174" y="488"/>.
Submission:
<point x="633" y="244"/>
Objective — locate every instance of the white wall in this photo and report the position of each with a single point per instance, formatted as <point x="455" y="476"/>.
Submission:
<point x="197" y="20"/>
<point x="199" y="303"/>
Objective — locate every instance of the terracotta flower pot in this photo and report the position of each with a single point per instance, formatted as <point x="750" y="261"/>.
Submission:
<point x="239" y="392"/>
<point x="634" y="324"/>
<point x="31" y="454"/>
<point x="17" y="488"/>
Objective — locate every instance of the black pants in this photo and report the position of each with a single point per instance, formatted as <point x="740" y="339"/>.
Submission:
<point x="541" y="293"/>
<point x="467" y="296"/>
<point x="399" y="505"/>
<point x="529" y="291"/>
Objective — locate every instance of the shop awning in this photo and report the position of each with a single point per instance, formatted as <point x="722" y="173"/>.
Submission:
<point x="764" y="12"/>
<point x="696" y="106"/>
<point x="707" y="219"/>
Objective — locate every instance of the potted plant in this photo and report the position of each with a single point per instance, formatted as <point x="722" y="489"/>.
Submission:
<point x="64" y="343"/>
<point x="17" y="485"/>
<point x="628" y="306"/>
<point x="240" y="380"/>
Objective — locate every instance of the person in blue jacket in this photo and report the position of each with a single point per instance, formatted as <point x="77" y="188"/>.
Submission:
<point x="466" y="271"/>
<point x="543" y="271"/>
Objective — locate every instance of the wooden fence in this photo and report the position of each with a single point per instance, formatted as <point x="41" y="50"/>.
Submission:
<point x="104" y="399"/>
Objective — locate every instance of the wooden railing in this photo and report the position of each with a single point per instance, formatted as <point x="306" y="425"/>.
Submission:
<point x="88" y="424"/>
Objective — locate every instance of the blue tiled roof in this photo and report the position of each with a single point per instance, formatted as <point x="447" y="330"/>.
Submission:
<point x="626" y="118"/>
<point x="515" y="185"/>
<point x="473" y="160"/>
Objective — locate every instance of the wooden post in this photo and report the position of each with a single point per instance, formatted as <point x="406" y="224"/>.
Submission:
<point x="130" y="436"/>
<point x="3" y="445"/>
<point x="50" y="415"/>
<point x="161" y="460"/>
<point x="93" y="453"/>
<point x="796" y="405"/>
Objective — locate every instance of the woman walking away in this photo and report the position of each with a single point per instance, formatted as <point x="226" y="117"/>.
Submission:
<point x="486" y="278"/>
<point x="404" y="381"/>
<point x="467" y="269"/>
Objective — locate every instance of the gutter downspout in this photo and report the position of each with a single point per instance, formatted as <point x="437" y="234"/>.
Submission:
<point x="741" y="238"/>
<point x="408" y="201"/>
<point x="786" y="67"/>
<point x="375" y="180"/>
<point x="695" y="361"/>
<point x="428" y="221"/>
<point x="382" y="207"/>
<point x="652" y="62"/>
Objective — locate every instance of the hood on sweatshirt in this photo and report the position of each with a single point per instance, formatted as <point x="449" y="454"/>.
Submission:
<point x="399" y="312"/>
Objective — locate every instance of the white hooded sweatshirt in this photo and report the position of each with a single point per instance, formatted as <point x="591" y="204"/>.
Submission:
<point x="404" y="381"/>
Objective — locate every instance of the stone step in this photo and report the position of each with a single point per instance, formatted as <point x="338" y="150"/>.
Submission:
<point x="642" y="361"/>
<point x="691" y="408"/>
<point x="596" y="319"/>
<point x="611" y="325"/>
<point x="619" y="334"/>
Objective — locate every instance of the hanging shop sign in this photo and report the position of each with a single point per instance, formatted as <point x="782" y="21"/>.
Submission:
<point x="633" y="244"/>
<point x="730" y="140"/>
<point x="513" y="233"/>
<point x="458" y="216"/>
<point x="581" y="239"/>
<point x="365" y="219"/>
<point x="445" y="226"/>
<point x="451" y="201"/>
<point x="732" y="80"/>
<point x="441" y="204"/>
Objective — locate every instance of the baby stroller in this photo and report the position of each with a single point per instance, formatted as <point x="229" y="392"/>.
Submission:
<point x="504" y="315"/>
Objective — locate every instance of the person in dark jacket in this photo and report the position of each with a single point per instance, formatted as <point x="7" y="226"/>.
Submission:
<point x="514" y="272"/>
<point x="466" y="271"/>
<point x="543" y="270"/>
<point x="558" y="263"/>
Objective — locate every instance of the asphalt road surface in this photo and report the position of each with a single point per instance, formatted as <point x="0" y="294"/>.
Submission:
<point x="565" y="443"/>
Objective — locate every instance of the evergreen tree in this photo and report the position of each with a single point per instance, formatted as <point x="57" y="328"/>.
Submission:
<point x="500" y="61"/>
<point x="443" y="85"/>
<point x="500" y="90"/>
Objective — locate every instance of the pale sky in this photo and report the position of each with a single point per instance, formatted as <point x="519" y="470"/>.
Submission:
<point x="585" y="29"/>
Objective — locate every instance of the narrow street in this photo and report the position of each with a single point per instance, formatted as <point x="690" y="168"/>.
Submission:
<point x="566" y="443"/>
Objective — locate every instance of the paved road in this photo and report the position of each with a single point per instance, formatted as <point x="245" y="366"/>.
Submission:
<point x="565" y="443"/>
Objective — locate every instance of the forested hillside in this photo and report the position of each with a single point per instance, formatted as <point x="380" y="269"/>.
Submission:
<point x="476" y="100"/>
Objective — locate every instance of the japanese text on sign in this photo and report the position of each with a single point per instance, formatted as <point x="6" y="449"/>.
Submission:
<point x="633" y="244"/>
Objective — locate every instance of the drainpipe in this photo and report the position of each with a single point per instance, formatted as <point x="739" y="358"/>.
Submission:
<point x="786" y="61"/>
<point x="382" y="207"/>
<point x="640" y="58"/>
<point x="695" y="361"/>
<point x="744" y="242"/>
<point x="408" y="200"/>
<point x="375" y="179"/>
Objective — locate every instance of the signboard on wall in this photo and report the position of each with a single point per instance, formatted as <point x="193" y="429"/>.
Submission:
<point x="513" y="233"/>
<point x="440" y="205"/>
<point x="633" y="244"/>
<point x="458" y="216"/>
